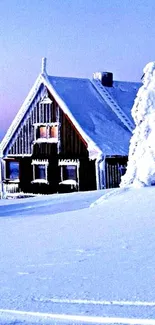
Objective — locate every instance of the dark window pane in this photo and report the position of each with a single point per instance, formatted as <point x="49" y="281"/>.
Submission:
<point x="70" y="172"/>
<point x="13" y="170"/>
<point x="40" y="172"/>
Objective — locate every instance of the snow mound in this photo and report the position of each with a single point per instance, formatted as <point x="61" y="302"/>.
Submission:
<point x="109" y="194"/>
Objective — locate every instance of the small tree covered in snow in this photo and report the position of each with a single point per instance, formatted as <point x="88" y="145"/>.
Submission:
<point x="141" y="163"/>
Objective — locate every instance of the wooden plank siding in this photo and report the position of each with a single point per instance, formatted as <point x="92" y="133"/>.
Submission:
<point x="72" y="144"/>
<point x="113" y="167"/>
<point x="22" y="142"/>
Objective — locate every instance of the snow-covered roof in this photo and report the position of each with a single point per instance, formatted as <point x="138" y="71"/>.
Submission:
<point x="93" y="113"/>
<point x="124" y="93"/>
<point x="94" y="119"/>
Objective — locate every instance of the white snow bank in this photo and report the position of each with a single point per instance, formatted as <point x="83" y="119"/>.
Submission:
<point x="100" y="254"/>
<point x="108" y="194"/>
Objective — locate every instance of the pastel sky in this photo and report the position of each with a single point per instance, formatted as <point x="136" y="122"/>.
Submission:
<point x="78" y="37"/>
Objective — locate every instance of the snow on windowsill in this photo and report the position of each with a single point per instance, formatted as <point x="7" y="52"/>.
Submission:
<point x="68" y="182"/>
<point x="39" y="181"/>
<point x="46" y="140"/>
<point x="46" y="124"/>
<point x="10" y="181"/>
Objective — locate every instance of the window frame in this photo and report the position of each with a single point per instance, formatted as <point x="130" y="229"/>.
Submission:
<point x="63" y="178"/>
<point x="69" y="162"/>
<point x="40" y="163"/>
<point x="8" y="173"/>
<point x="48" y="137"/>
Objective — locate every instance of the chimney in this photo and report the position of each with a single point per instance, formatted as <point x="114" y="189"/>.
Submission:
<point x="43" y="66"/>
<point x="106" y="78"/>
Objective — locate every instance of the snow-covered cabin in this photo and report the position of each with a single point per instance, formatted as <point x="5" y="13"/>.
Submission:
<point x="69" y="134"/>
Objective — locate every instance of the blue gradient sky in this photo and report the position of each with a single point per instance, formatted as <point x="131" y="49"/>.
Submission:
<point x="78" y="37"/>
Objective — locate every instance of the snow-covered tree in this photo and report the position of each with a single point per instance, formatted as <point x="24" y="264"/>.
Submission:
<point x="141" y="163"/>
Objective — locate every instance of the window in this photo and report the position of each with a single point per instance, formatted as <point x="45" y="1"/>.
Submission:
<point x="46" y="133"/>
<point x="69" y="172"/>
<point x="42" y="132"/>
<point x="12" y="170"/>
<point x="54" y="131"/>
<point x="40" y="171"/>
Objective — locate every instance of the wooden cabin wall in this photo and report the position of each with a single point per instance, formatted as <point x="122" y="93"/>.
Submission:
<point x="70" y="146"/>
<point x="26" y="174"/>
<point x="87" y="175"/>
<point x="71" y="143"/>
<point x="26" y="177"/>
<point x="113" y="166"/>
<point x="44" y="150"/>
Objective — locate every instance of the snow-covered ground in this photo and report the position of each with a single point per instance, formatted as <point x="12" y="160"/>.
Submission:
<point x="97" y="262"/>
